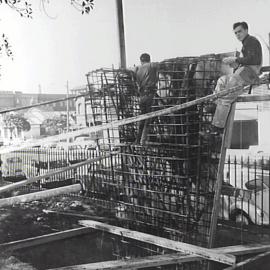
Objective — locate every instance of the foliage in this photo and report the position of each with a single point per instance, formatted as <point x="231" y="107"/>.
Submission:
<point x="84" y="6"/>
<point x="5" y="46"/>
<point x="24" y="8"/>
<point x="55" y="125"/>
<point x="17" y="121"/>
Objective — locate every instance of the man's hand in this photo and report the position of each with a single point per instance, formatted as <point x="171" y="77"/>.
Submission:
<point x="264" y="79"/>
<point x="229" y="60"/>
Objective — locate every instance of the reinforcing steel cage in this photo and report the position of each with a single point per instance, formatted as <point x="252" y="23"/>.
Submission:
<point x="164" y="186"/>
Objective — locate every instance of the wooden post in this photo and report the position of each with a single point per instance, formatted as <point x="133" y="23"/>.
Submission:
<point x="226" y="141"/>
<point x="121" y="33"/>
<point x="269" y="47"/>
<point x="67" y="109"/>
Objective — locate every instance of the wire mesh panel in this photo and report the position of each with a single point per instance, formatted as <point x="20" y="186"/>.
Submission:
<point x="164" y="186"/>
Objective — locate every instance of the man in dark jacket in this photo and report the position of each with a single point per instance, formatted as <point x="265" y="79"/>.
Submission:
<point x="146" y="76"/>
<point x="246" y="71"/>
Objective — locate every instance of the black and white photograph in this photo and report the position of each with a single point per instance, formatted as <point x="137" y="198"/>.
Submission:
<point x="134" y="134"/>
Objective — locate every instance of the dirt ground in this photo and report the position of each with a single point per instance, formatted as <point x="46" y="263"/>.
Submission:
<point x="32" y="219"/>
<point x="29" y="220"/>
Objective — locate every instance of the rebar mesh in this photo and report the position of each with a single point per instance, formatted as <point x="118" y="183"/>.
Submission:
<point x="164" y="186"/>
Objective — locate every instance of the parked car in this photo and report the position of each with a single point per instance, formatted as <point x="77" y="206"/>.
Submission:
<point x="254" y="210"/>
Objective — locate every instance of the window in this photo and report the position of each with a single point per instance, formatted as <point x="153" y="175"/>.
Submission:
<point x="80" y="111"/>
<point x="244" y="134"/>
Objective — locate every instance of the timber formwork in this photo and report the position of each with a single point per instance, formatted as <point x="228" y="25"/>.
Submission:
<point x="164" y="186"/>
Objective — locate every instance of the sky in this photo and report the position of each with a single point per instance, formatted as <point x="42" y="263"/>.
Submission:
<point x="64" y="46"/>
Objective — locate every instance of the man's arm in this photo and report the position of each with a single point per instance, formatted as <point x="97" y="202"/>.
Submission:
<point x="133" y="71"/>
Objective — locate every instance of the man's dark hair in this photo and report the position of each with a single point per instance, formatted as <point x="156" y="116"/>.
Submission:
<point x="243" y="24"/>
<point x="145" y="57"/>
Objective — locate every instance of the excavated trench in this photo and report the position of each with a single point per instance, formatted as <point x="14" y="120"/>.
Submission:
<point x="30" y="220"/>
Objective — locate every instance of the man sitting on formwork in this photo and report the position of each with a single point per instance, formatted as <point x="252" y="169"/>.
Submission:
<point x="247" y="69"/>
<point x="146" y="76"/>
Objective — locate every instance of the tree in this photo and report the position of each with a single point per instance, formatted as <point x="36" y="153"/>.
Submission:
<point x="24" y="8"/>
<point x="16" y="123"/>
<point x="55" y="125"/>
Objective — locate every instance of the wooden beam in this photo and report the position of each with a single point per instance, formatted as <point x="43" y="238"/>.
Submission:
<point x="226" y="142"/>
<point x="244" y="249"/>
<point x="117" y="123"/>
<point x="52" y="173"/>
<point x="92" y="217"/>
<point x="121" y="33"/>
<point x="162" y="242"/>
<point x="260" y="261"/>
<point x="167" y="259"/>
<point x="44" y="239"/>
<point x="144" y="262"/>
<point x="39" y="195"/>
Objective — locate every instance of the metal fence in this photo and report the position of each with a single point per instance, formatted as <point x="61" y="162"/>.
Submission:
<point x="245" y="195"/>
<point x="246" y="185"/>
<point x="37" y="161"/>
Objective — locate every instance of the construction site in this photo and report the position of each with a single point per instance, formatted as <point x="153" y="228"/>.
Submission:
<point x="175" y="199"/>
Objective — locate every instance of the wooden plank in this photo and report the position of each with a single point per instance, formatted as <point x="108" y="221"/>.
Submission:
<point x="167" y="259"/>
<point x="162" y="242"/>
<point x="226" y="141"/>
<point x="244" y="249"/>
<point x="92" y="217"/>
<point x="117" y="123"/>
<point x="44" y="239"/>
<point x="52" y="173"/>
<point x="39" y="195"/>
<point x="145" y="262"/>
<point x="261" y="261"/>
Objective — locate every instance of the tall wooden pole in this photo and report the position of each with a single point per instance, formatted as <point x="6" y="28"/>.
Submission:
<point x="269" y="47"/>
<point x="121" y="33"/>
<point x="67" y="107"/>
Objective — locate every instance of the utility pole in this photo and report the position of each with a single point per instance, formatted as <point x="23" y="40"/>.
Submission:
<point x="67" y="108"/>
<point x="269" y="47"/>
<point x="121" y="33"/>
